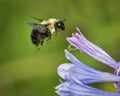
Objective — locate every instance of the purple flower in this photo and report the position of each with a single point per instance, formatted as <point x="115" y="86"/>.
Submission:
<point x="81" y="43"/>
<point x="77" y="75"/>
<point x="70" y="88"/>
<point x="78" y="70"/>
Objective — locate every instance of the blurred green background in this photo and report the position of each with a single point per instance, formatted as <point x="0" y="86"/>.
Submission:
<point x="26" y="71"/>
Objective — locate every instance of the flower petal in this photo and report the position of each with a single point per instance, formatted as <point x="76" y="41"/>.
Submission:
<point x="87" y="76"/>
<point x="79" y="89"/>
<point x="117" y="84"/>
<point x="63" y="69"/>
<point x="81" y="43"/>
<point x="84" y="73"/>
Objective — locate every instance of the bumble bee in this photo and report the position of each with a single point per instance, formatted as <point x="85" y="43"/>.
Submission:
<point x="45" y="29"/>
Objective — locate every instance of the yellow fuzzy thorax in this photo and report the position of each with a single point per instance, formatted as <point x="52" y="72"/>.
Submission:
<point x="50" y="23"/>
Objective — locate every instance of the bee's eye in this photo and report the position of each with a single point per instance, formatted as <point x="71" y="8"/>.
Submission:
<point x="60" y="25"/>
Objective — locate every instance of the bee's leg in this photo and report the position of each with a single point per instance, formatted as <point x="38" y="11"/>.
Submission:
<point x="48" y="39"/>
<point x="55" y="33"/>
<point x="41" y="42"/>
<point x="40" y="45"/>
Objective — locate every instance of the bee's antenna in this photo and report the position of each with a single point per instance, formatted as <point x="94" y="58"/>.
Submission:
<point x="64" y="18"/>
<point x="36" y="18"/>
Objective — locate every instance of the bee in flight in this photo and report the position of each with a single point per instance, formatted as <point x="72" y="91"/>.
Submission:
<point x="45" y="29"/>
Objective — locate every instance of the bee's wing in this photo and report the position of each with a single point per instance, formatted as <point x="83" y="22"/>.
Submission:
<point x="36" y="18"/>
<point x="32" y="24"/>
<point x="38" y="27"/>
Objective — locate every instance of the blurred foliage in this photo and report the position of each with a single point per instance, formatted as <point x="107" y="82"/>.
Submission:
<point x="26" y="71"/>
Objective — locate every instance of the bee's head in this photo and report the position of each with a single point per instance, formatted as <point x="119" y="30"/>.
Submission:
<point x="59" y="25"/>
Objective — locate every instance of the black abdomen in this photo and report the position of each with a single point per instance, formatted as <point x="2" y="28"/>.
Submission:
<point x="38" y="37"/>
